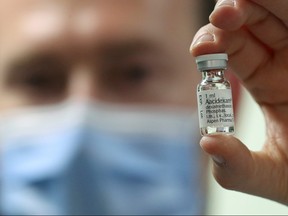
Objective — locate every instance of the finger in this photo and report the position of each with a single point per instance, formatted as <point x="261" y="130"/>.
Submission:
<point x="265" y="26"/>
<point x="236" y="168"/>
<point x="239" y="45"/>
<point x="233" y="162"/>
<point x="277" y="7"/>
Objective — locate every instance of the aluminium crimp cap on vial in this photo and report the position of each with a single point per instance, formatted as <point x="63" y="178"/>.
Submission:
<point x="212" y="61"/>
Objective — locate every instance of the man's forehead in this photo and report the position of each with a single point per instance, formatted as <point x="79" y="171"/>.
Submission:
<point x="39" y="18"/>
<point x="30" y="20"/>
<point x="44" y="16"/>
<point x="16" y="8"/>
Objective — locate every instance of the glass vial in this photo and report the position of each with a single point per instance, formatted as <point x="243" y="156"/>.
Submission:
<point x="214" y="96"/>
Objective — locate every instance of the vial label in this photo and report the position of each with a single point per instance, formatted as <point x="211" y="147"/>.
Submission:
<point x="215" y="108"/>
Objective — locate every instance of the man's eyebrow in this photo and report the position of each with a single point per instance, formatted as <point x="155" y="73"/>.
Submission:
<point x="28" y="59"/>
<point x="23" y="64"/>
<point x="108" y="50"/>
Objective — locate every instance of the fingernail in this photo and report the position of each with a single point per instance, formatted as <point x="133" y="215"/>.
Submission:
<point x="218" y="160"/>
<point x="207" y="37"/>
<point x="220" y="3"/>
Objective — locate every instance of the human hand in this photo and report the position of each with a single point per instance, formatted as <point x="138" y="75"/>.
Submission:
<point x="254" y="33"/>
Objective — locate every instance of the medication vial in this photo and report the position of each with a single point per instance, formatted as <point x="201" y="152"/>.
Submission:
<point x="214" y="95"/>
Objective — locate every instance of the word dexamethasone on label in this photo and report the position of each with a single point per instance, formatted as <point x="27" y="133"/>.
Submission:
<point x="215" y="108"/>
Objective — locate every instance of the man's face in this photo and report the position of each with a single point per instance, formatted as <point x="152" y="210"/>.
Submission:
<point x="109" y="50"/>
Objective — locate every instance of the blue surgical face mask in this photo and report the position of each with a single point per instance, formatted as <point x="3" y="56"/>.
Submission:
<point x="84" y="158"/>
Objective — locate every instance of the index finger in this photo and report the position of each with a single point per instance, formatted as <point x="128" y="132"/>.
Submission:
<point x="262" y="24"/>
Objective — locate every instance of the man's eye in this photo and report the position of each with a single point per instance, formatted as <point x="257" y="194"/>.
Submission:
<point x="41" y="82"/>
<point x="43" y="79"/>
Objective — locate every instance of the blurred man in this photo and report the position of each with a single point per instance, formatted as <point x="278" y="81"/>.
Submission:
<point x="98" y="107"/>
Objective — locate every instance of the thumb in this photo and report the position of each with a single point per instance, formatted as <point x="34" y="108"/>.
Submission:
<point x="233" y="162"/>
<point x="237" y="168"/>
